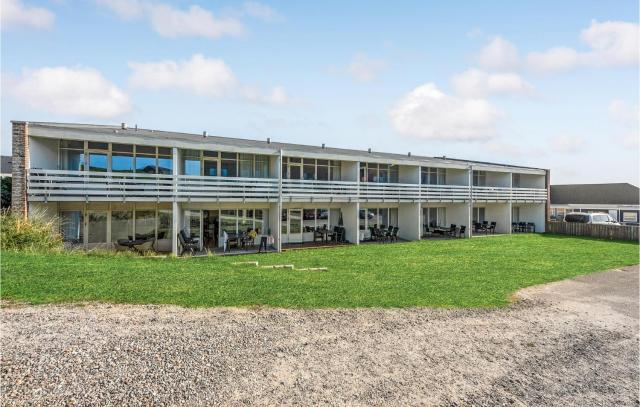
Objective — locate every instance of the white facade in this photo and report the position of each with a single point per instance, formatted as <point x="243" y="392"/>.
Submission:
<point x="109" y="182"/>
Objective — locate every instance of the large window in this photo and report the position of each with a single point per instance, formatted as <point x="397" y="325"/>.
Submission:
<point x="71" y="226"/>
<point x="165" y="224"/>
<point x="145" y="224"/>
<point x="434" y="217"/>
<point x="121" y="225"/>
<point x="228" y="221"/>
<point x="121" y="158"/>
<point x="378" y="217"/>
<point x="191" y="162"/>
<point x="479" y="178"/>
<point x="478" y="215"/>
<point x="229" y="165"/>
<point x="433" y="176"/>
<point x="515" y="180"/>
<point x="245" y="165"/>
<point x="192" y="222"/>
<point x="97" y="227"/>
<point x="72" y="155"/>
<point x="381" y="173"/>
<point x="146" y="160"/>
<point x="165" y="161"/>
<point x="98" y="156"/>
<point x="310" y="169"/>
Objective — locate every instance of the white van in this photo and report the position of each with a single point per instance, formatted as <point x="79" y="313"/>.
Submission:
<point x="597" y="218"/>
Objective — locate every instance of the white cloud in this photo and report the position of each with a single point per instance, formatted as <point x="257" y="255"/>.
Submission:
<point x="611" y="44"/>
<point x="203" y="76"/>
<point x="558" y="59"/>
<point x="499" y="54"/>
<point x="171" y="22"/>
<point x="126" y="9"/>
<point x="199" y="75"/>
<point x="194" y="22"/>
<point x="261" y="12"/>
<point x="477" y="83"/>
<point x="567" y="144"/>
<point x="15" y="14"/>
<point x="277" y="96"/>
<point x="365" y="69"/>
<point x="428" y="113"/>
<point x="76" y="91"/>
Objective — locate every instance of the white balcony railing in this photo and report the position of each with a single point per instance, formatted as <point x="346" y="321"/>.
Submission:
<point x="453" y="193"/>
<point x="205" y="188"/>
<point x="373" y="191"/>
<point x="306" y="190"/>
<point x="491" y="193"/>
<point x="528" y="194"/>
<point x="60" y="185"/>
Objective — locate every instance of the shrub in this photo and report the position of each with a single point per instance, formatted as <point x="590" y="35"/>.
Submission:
<point x="37" y="233"/>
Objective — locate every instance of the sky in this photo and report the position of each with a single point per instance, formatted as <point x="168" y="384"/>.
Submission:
<point x="542" y="83"/>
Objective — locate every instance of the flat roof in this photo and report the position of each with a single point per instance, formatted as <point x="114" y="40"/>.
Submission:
<point x="136" y="135"/>
<point x="595" y="194"/>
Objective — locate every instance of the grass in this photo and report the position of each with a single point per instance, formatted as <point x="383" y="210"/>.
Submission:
<point x="480" y="272"/>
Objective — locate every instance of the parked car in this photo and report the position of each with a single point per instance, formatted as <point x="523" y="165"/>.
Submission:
<point x="597" y="218"/>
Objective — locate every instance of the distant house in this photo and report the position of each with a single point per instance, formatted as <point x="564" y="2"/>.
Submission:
<point x="621" y="201"/>
<point x="5" y="166"/>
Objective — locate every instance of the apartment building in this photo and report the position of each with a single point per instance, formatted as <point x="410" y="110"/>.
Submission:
<point x="106" y="183"/>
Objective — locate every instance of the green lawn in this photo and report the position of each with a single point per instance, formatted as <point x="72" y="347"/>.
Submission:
<point x="450" y="273"/>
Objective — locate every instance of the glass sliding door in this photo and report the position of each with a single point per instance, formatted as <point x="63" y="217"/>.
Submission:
<point x="72" y="227"/>
<point x="121" y="225"/>
<point x="295" y="225"/>
<point x="97" y="227"/>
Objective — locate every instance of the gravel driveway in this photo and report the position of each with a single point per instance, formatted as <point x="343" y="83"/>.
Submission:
<point x="568" y="343"/>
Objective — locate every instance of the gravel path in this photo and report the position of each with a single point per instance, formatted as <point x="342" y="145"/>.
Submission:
<point x="568" y="343"/>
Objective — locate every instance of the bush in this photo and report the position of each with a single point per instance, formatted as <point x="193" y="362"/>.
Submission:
<point x="37" y="233"/>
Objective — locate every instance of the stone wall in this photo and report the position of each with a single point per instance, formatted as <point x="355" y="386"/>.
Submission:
<point x="19" y="167"/>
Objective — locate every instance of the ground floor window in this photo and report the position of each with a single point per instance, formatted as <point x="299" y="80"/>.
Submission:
<point x="121" y="225"/>
<point x="97" y="227"/>
<point x="380" y="218"/>
<point x="298" y="225"/>
<point x="71" y="226"/>
<point x="515" y="214"/>
<point x="434" y="217"/>
<point x="478" y="215"/>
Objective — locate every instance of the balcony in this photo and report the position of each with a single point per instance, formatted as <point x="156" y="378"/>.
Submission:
<point x="294" y="190"/>
<point x="381" y="192"/>
<point x="60" y="185"/>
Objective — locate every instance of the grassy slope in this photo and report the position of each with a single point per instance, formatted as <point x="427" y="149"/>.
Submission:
<point x="448" y="273"/>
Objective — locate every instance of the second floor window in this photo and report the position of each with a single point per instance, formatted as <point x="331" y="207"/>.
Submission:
<point x="114" y="157"/>
<point x="310" y="169"/>
<point x="479" y="178"/>
<point x="224" y="164"/>
<point x="382" y="173"/>
<point x="433" y="176"/>
<point x="515" y="180"/>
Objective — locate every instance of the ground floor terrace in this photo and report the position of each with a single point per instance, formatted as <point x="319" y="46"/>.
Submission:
<point x="250" y="226"/>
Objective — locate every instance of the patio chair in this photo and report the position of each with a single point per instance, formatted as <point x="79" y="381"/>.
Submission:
<point x="531" y="227"/>
<point x="452" y="230"/>
<point x="332" y="235"/>
<point x="188" y="244"/>
<point x="318" y="235"/>
<point x="514" y="227"/>
<point x="461" y="231"/>
<point x="522" y="226"/>
<point x="478" y="227"/>
<point x="492" y="228"/>
<point x="394" y="234"/>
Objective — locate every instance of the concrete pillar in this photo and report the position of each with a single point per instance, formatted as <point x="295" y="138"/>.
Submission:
<point x="350" y="218"/>
<point x="275" y="213"/>
<point x="278" y="230"/>
<point x="176" y="206"/>
<point x="19" y="167"/>
<point x="409" y="221"/>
